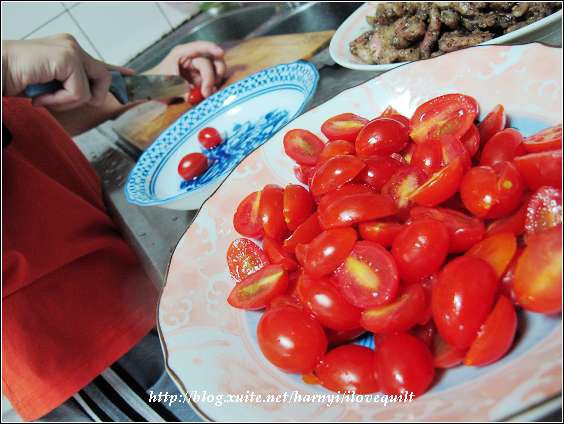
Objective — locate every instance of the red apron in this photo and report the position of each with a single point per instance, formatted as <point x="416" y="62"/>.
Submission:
<point x="74" y="298"/>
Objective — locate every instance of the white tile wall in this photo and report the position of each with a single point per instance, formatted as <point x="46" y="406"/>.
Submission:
<point x="111" y="31"/>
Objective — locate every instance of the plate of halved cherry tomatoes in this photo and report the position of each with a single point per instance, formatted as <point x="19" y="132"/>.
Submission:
<point x="404" y="238"/>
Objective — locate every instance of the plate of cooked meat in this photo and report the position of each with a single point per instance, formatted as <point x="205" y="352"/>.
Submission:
<point x="379" y="36"/>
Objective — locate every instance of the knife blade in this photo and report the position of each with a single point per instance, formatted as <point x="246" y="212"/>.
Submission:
<point x="127" y="88"/>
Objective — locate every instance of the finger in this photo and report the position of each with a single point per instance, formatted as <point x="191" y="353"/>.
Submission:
<point x="207" y="74"/>
<point x="220" y="68"/>
<point x="99" y="78"/>
<point x="75" y="92"/>
<point x="121" y="69"/>
<point x="199" y="48"/>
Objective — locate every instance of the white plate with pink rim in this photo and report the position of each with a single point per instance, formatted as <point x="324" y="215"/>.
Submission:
<point x="544" y="30"/>
<point x="211" y="347"/>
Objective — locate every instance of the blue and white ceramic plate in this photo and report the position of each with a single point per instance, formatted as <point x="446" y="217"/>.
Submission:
<point x="246" y="113"/>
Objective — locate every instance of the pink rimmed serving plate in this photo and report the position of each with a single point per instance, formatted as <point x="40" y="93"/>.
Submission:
<point x="211" y="347"/>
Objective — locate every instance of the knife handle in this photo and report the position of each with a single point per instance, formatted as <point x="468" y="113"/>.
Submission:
<point x="117" y="88"/>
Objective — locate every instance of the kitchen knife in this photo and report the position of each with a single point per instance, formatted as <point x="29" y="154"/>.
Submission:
<point x="128" y="88"/>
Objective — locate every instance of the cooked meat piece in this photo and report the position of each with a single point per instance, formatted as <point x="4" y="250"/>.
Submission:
<point x="429" y="42"/>
<point x="480" y="22"/>
<point x="505" y="20"/>
<point x="468" y="8"/>
<point x="519" y="9"/>
<point x="360" y="47"/>
<point x="502" y="6"/>
<point x="515" y="27"/>
<point x="450" y="18"/>
<point x="387" y="13"/>
<point x="408" y="29"/>
<point x="451" y="41"/>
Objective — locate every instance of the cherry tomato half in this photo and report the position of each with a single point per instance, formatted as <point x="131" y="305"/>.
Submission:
<point x="325" y="301"/>
<point x="379" y="170"/>
<point x="514" y="223"/>
<point x="335" y="148"/>
<point x="209" y="137"/>
<point x="304" y="173"/>
<point x="503" y="146"/>
<point x="368" y="276"/>
<point x="493" y="123"/>
<point x="259" y="289"/>
<point x="462" y="299"/>
<point x="244" y="258"/>
<point x="354" y="208"/>
<point x="277" y="255"/>
<point x="305" y="233"/>
<point x="247" y="220"/>
<point x="291" y="339"/>
<point x="403" y="363"/>
<point x="381" y="136"/>
<point x="345" y="190"/>
<point x="471" y="140"/>
<point x="402" y="184"/>
<point x="348" y="369"/>
<point x="328" y="250"/>
<point x="497" y="250"/>
<point x="541" y="169"/>
<point x="445" y="355"/>
<point x="303" y="146"/>
<point x="334" y="173"/>
<point x="420" y="249"/>
<point x="345" y="126"/>
<point x="298" y="205"/>
<point x="434" y="155"/>
<point x="192" y="165"/>
<point x="451" y="114"/>
<point x="270" y="212"/>
<point x="544" y="210"/>
<point x="538" y="275"/>
<point x="381" y="232"/>
<point x="547" y="139"/>
<point x="337" y="338"/>
<point x="440" y="186"/>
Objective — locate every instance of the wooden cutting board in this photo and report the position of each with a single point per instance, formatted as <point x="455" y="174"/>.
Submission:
<point x="142" y="124"/>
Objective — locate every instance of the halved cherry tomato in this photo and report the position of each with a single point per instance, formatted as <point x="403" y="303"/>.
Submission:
<point x="538" y="275"/>
<point x="192" y="165"/>
<point x="379" y="170"/>
<point x="445" y="355"/>
<point x="270" y="212"/>
<point x="298" y="205"/>
<point x="400" y="315"/>
<point x="244" y="258"/>
<point x="544" y="210"/>
<point x="286" y="300"/>
<point x="305" y="233"/>
<point x="325" y="301"/>
<point x="195" y="95"/>
<point x="497" y="250"/>
<point x="464" y="231"/>
<point x="381" y="136"/>
<point x="462" y="299"/>
<point x="277" y="255"/>
<point x="209" y="137"/>
<point x="541" y="169"/>
<point x="328" y="250"/>
<point x="403" y="363"/>
<point x="514" y="223"/>
<point x="440" y="186"/>
<point x="434" y="155"/>
<point x="334" y="173"/>
<point x="381" y="232"/>
<point x="492" y="192"/>
<point x="340" y="337"/>
<point x="547" y="139"/>
<point x="300" y="252"/>
<point x="368" y="276"/>
<point x="345" y="126"/>
<point x="354" y="208"/>
<point x="345" y="190"/>
<point x="493" y="123"/>
<point x="258" y="289"/>
<point x="304" y="173"/>
<point x="291" y="340"/>
<point x="471" y="140"/>
<point x="506" y="286"/>
<point x="503" y="146"/>
<point x="425" y="333"/>
<point x="496" y="335"/>
<point x="247" y="219"/>
<point x="335" y="148"/>
<point x="451" y="114"/>
<point x="303" y="146"/>
<point x="407" y="153"/>
<point x="402" y="184"/>
<point x="348" y="369"/>
<point x="420" y="249"/>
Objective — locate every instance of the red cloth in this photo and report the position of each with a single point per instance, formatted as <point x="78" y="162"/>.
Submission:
<point x="74" y="298"/>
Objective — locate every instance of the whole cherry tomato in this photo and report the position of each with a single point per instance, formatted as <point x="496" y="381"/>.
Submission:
<point x="335" y="148"/>
<point x="247" y="220"/>
<point x="345" y="126"/>
<point x="259" y="289"/>
<point x="209" y="137"/>
<point x="492" y="192"/>
<point x="379" y="170"/>
<point x="403" y="363"/>
<point x="354" y="208"/>
<point x="541" y="169"/>
<point x="334" y="173"/>
<point x="348" y="369"/>
<point x="462" y="299"/>
<point x="381" y="136"/>
<point x="303" y="146"/>
<point x="298" y="205"/>
<point x="451" y="114"/>
<point x="503" y="146"/>
<point x="328" y="250"/>
<point x="547" y="139"/>
<point x="368" y="276"/>
<point x="544" y="210"/>
<point x="270" y="212"/>
<point x="291" y="339"/>
<point x="337" y="338"/>
<point x="493" y="123"/>
<point x="195" y="95"/>
<point x="381" y="232"/>
<point x="192" y="165"/>
<point x="324" y="300"/>
<point x="538" y="275"/>
<point x="244" y="258"/>
<point x="420" y="249"/>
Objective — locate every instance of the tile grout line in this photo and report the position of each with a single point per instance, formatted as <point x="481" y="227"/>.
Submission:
<point x="164" y="15"/>
<point x="83" y="31"/>
<point x="58" y="15"/>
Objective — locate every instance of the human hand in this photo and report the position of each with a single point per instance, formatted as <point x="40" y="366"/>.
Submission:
<point x="85" y="80"/>
<point x="200" y="63"/>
